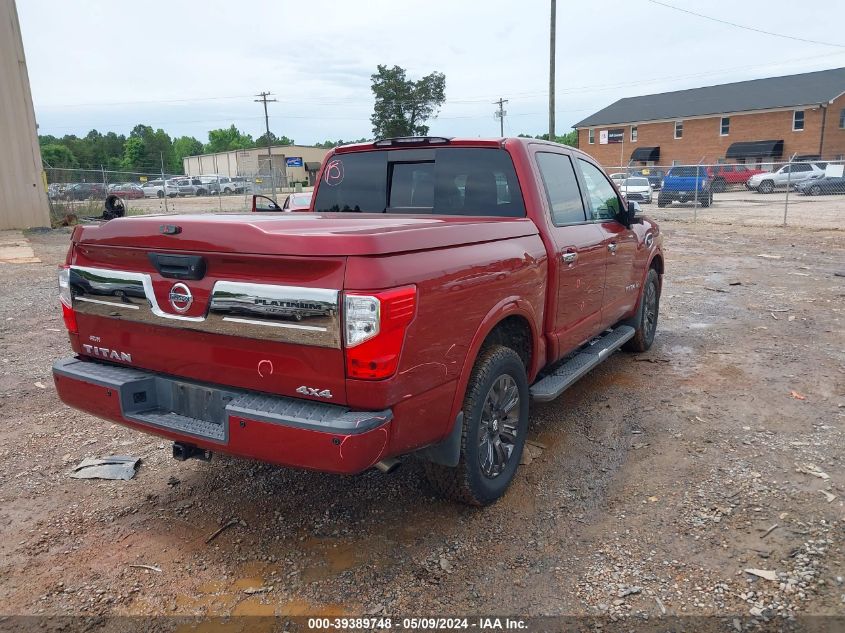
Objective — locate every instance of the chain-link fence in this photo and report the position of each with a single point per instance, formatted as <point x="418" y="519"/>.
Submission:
<point x="801" y="193"/>
<point x="76" y="194"/>
<point x="766" y="192"/>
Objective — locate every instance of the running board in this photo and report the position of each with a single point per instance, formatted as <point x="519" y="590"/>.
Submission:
<point x="567" y="373"/>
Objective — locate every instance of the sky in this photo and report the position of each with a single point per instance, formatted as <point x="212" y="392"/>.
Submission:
<point x="188" y="67"/>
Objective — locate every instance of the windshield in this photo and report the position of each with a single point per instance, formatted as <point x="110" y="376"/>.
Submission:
<point x="442" y="181"/>
<point x="636" y="182"/>
<point x="300" y="199"/>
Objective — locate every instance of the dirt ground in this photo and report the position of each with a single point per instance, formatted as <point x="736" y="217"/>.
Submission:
<point x="653" y="484"/>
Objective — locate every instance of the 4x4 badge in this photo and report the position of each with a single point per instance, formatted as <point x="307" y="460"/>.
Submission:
<point x="311" y="391"/>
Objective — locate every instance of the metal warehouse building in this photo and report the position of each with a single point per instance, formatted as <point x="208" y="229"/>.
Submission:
<point x="289" y="163"/>
<point x="753" y="122"/>
<point x="23" y="199"/>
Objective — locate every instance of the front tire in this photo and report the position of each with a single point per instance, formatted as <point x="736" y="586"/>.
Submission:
<point x="493" y="436"/>
<point x="719" y="185"/>
<point x="767" y="186"/>
<point x="815" y="190"/>
<point x="645" y="323"/>
<point x="160" y="194"/>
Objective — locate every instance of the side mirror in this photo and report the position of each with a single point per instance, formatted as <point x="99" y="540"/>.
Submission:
<point x="633" y="215"/>
<point x="263" y="203"/>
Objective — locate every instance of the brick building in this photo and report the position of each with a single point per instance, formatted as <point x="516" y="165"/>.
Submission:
<point x="755" y="122"/>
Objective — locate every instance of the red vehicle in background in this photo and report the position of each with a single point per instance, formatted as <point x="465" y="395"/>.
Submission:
<point x="437" y="287"/>
<point x="127" y="190"/>
<point x="723" y="176"/>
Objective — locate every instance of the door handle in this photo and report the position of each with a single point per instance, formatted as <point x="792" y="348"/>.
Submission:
<point x="569" y="257"/>
<point x="612" y="247"/>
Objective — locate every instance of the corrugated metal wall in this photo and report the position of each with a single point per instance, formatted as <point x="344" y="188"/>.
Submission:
<point x="23" y="201"/>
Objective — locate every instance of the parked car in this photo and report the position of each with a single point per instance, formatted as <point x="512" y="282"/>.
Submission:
<point x="158" y="188"/>
<point x="722" y="176"/>
<point x="637" y="188"/>
<point x="767" y="182"/>
<point x="84" y="191"/>
<point x="190" y="186"/>
<point x="298" y="201"/>
<point x="56" y="189"/>
<point x="411" y="314"/>
<point x="655" y="176"/>
<point x="218" y="184"/>
<point x="618" y="177"/>
<point x="822" y="185"/>
<point x="127" y="190"/>
<point x="242" y="185"/>
<point x="686" y="183"/>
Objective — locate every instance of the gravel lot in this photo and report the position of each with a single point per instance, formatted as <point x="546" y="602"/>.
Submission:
<point x="652" y="485"/>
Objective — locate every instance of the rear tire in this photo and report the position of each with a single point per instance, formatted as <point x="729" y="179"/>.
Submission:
<point x="719" y="185"/>
<point x="493" y="436"/>
<point x="815" y="190"/>
<point x="645" y="323"/>
<point x="160" y="194"/>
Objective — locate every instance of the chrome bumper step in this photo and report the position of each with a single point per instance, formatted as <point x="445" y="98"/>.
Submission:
<point x="569" y="371"/>
<point x="202" y="410"/>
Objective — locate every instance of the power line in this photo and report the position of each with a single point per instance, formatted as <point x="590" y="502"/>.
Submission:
<point x="742" y="26"/>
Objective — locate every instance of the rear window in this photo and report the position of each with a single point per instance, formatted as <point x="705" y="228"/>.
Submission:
<point x="442" y="181"/>
<point x="687" y="172"/>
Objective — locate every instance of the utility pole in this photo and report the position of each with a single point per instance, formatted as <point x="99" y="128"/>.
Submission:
<point x="552" y="71"/>
<point x="265" y="100"/>
<point x="500" y="114"/>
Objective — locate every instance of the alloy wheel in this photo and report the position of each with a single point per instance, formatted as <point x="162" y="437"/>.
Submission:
<point x="497" y="430"/>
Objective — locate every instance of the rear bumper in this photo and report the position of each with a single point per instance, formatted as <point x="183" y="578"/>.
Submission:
<point x="279" y="430"/>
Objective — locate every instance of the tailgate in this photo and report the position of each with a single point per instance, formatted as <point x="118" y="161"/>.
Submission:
<point x="262" y="322"/>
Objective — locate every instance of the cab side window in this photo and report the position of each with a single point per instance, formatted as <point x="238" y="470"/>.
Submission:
<point x="562" y="190"/>
<point x="603" y="199"/>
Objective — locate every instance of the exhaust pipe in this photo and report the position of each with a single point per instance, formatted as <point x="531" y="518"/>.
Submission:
<point x="183" y="451"/>
<point x="388" y="465"/>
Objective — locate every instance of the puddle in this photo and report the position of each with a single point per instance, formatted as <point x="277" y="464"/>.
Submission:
<point x="254" y="606"/>
<point x="302" y="607"/>
<point x="337" y="556"/>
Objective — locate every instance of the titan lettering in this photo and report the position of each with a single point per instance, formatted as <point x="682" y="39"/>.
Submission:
<point x="105" y="352"/>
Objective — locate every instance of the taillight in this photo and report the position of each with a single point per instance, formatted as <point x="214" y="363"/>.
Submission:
<point x="66" y="299"/>
<point x="374" y="326"/>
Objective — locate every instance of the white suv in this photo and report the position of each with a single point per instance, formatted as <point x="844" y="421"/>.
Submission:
<point x="156" y="189"/>
<point x="786" y="175"/>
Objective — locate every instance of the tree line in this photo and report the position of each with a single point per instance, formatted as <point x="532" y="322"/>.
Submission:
<point x="401" y="108"/>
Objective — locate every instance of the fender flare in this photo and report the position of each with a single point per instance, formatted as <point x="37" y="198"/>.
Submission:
<point x="507" y="307"/>
<point x="448" y="451"/>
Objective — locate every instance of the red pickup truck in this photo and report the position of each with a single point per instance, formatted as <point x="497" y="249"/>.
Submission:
<point x="437" y="286"/>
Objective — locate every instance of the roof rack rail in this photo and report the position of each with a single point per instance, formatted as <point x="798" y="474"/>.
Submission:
<point x="411" y="140"/>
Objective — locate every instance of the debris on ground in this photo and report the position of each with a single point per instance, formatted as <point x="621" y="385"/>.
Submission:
<point x="254" y="590"/>
<point x="812" y="469"/>
<point x="797" y="396"/>
<point x="147" y="567"/>
<point x="220" y="530"/>
<point x="765" y="574"/>
<point x="770" y="530"/>
<point x="111" y="467"/>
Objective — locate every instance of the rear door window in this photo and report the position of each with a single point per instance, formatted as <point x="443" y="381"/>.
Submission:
<point x="561" y="187"/>
<point x="442" y="181"/>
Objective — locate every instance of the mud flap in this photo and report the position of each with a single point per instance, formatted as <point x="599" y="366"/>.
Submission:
<point x="447" y="452"/>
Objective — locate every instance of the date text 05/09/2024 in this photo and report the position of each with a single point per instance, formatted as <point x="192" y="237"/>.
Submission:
<point x="418" y="624"/>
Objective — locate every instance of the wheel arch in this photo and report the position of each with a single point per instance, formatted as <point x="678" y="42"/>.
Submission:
<point x="512" y="320"/>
